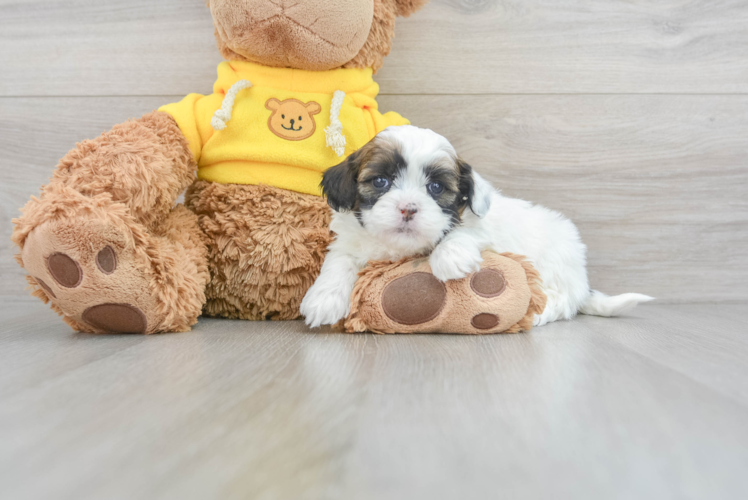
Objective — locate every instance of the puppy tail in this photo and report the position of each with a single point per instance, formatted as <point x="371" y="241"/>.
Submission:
<point x="599" y="304"/>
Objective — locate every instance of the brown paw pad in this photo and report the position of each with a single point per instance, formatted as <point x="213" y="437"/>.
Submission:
<point x="64" y="270"/>
<point x="488" y="283"/>
<point x="46" y="288"/>
<point x="116" y="318"/>
<point x="414" y="299"/>
<point x="106" y="260"/>
<point x="485" y="321"/>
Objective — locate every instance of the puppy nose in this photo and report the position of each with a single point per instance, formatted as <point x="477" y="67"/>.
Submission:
<point x="292" y="121"/>
<point x="409" y="211"/>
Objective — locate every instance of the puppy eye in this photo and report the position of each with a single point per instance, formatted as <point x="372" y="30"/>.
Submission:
<point x="299" y="118"/>
<point x="283" y="117"/>
<point x="381" y="182"/>
<point x="435" y="188"/>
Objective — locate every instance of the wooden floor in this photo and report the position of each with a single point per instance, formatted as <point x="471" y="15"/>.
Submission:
<point x="650" y="406"/>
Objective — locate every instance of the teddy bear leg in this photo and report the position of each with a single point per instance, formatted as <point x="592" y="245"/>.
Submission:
<point x="405" y="297"/>
<point x="104" y="242"/>
<point x="105" y="273"/>
<point x="266" y="247"/>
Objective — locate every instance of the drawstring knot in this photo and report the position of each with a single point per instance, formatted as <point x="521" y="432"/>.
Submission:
<point x="223" y="114"/>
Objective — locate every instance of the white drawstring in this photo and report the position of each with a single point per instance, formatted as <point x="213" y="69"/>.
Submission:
<point x="334" y="133"/>
<point x="223" y="115"/>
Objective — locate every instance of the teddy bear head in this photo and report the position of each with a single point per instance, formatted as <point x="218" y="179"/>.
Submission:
<point x="308" y="34"/>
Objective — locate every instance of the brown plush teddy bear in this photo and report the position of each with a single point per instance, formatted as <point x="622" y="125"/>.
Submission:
<point x="105" y="242"/>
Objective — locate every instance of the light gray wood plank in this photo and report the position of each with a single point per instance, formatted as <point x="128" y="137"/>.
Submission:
<point x="707" y="343"/>
<point x="571" y="46"/>
<point x="87" y="47"/>
<point x="267" y="410"/>
<point x="656" y="184"/>
<point x="560" y="413"/>
<point x="139" y="47"/>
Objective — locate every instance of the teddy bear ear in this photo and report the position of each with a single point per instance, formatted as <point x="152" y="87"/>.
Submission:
<point x="273" y="104"/>
<point x="313" y="108"/>
<point x="408" y="7"/>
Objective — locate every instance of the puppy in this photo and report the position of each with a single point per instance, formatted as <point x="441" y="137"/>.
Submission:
<point x="407" y="192"/>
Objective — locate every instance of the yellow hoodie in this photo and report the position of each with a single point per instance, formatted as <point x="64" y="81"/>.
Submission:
<point x="277" y="126"/>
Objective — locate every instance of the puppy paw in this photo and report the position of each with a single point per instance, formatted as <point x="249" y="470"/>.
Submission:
<point x="452" y="261"/>
<point x="540" y="320"/>
<point x="324" y="307"/>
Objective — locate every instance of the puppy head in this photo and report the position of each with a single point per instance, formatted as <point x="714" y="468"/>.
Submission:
<point x="407" y="187"/>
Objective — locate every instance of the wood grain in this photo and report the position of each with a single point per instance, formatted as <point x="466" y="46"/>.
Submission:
<point x="140" y="47"/>
<point x="649" y="406"/>
<point x="656" y="184"/>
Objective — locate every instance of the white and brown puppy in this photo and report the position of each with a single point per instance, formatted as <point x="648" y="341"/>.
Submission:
<point x="407" y="192"/>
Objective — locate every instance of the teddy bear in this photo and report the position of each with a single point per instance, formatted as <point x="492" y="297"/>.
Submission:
<point x="109" y="247"/>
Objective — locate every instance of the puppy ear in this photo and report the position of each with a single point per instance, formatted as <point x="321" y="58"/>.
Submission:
<point x="340" y="183"/>
<point x="481" y="201"/>
<point x="408" y="7"/>
<point x="475" y="188"/>
<point x="272" y="104"/>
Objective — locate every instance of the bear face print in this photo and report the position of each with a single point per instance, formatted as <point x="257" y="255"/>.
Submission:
<point x="292" y="119"/>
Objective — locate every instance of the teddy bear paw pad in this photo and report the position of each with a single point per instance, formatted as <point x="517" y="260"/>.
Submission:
<point x="116" y="318"/>
<point x="64" y="270"/>
<point x="488" y="283"/>
<point x="399" y="298"/>
<point x="485" y="321"/>
<point x="106" y="259"/>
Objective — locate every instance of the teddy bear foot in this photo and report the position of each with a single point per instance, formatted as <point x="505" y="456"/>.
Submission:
<point x="104" y="273"/>
<point x="405" y="297"/>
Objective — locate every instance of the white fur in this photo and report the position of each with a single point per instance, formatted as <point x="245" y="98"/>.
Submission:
<point x="548" y="239"/>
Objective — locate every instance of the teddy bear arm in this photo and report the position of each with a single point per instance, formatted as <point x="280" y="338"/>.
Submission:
<point x="144" y="164"/>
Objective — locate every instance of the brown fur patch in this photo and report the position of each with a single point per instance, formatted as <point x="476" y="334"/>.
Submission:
<point x="266" y="247"/>
<point x="144" y="164"/>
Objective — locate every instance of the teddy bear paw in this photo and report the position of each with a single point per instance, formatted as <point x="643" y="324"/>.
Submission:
<point x="89" y="268"/>
<point x="504" y="295"/>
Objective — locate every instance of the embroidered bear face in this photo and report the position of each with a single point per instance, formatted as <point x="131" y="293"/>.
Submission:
<point x="292" y="119"/>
